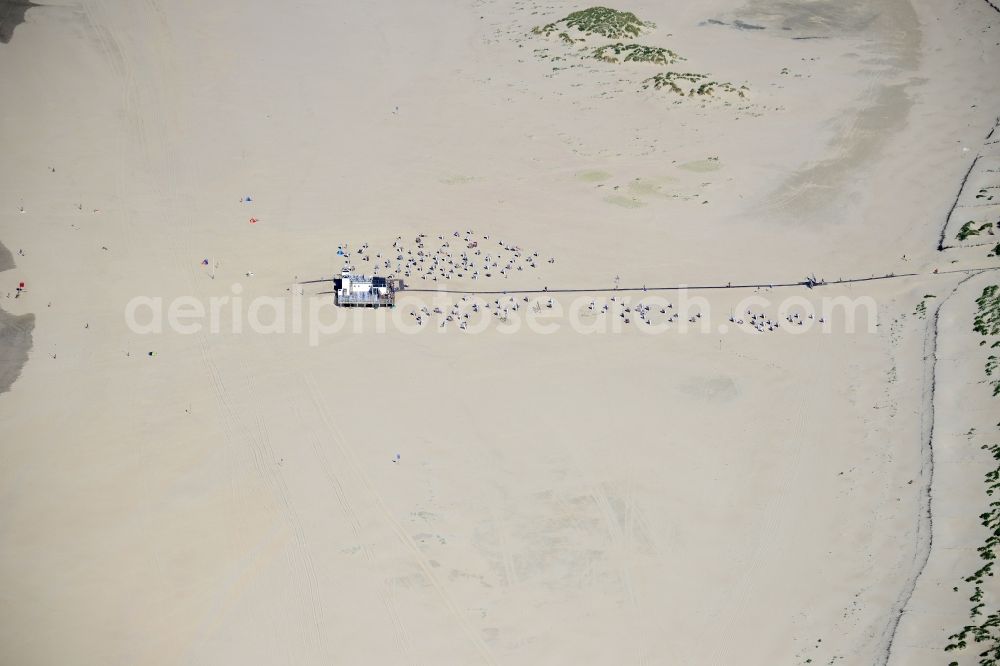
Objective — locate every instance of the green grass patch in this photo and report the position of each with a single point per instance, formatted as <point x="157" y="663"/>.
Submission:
<point x="692" y="84"/>
<point x="656" y="55"/>
<point x="984" y="632"/>
<point x="970" y="229"/>
<point x="702" y="166"/>
<point x="646" y="188"/>
<point x="620" y="25"/>
<point x="673" y="81"/>
<point x="610" y="23"/>
<point x="593" y="176"/>
<point x="987" y="321"/>
<point x="624" y="202"/>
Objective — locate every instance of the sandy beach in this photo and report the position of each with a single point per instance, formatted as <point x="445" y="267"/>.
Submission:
<point x="695" y="361"/>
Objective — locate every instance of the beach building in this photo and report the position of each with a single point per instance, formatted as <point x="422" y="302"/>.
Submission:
<point x="353" y="290"/>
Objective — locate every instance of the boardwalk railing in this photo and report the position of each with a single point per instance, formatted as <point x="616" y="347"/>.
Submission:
<point x="364" y="300"/>
<point x="389" y="300"/>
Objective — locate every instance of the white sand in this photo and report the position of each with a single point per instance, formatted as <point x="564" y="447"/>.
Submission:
<point x="559" y="499"/>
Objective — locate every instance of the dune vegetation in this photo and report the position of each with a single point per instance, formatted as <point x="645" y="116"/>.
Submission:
<point x="604" y="21"/>
<point x="985" y="632"/>
<point x="677" y="82"/>
<point x="656" y="55"/>
<point x="970" y="229"/>
<point x="616" y="24"/>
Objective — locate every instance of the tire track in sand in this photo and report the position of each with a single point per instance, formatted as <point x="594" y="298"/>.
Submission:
<point x="159" y="161"/>
<point x="400" y="532"/>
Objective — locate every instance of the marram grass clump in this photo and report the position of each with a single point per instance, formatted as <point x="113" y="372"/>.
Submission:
<point x="677" y="82"/>
<point x="619" y="25"/>
<point x="987" y="320"/>
<point x="604" y="21"/>
<point x="656" y="55"/>
<point x="970" y="229"/>
<point x="610" y="23"/>
<point x="983" y="632"/>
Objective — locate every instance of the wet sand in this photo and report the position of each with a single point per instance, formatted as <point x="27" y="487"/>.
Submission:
<point x="15" y="343"/>
<point x="12" y="15"/>
<point x="15" y="332"/>
<point x="6" y="259"/>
